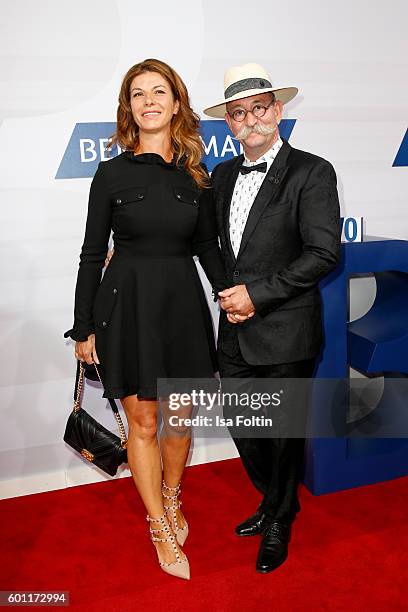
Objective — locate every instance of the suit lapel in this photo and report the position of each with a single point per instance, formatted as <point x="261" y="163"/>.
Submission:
<point x="267" y="193"/>
<point x="228" y="193"/>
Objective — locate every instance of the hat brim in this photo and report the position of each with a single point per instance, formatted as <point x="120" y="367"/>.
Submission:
<point x="283" y="94"/>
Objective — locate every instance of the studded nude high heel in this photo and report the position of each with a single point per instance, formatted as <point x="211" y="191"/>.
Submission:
<point x="180" y="567"/>
<point x="181" y="533"/>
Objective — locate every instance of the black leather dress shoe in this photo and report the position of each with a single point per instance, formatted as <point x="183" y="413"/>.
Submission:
<point x="254" y="525"/>
<point x="273" y="550"/>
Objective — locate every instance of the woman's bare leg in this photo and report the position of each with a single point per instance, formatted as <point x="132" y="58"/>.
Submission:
<point x="175" y="444"/>
<point x="145" y="462"/>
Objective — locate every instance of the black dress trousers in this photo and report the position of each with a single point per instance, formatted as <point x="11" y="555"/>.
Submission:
<point x="274" y="465"/>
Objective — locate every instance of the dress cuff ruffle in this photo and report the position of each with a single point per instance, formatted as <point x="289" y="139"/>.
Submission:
<point x="78" y="335"/>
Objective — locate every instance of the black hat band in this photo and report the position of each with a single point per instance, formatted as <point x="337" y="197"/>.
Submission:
<point x="246" y="84"/>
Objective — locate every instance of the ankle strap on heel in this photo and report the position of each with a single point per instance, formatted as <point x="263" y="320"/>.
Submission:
<point x="165" y="527"/>
<point x="163" y="520"/>
<point x="175" y="502"/>
<point x="176" y="490"/>
<point x="174" y="497"/>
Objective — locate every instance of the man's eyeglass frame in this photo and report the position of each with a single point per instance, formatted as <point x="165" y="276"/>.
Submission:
<point x="258" y="114"/>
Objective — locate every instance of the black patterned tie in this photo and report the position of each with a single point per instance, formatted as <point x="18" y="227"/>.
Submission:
<point x="258" y="168"/>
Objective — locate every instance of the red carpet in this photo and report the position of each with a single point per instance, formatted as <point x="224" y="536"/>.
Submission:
<point x="348" y="550"/>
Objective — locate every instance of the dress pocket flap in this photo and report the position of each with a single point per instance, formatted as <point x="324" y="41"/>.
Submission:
<point x="186" y="195"/>
<point x="126" y="196"/>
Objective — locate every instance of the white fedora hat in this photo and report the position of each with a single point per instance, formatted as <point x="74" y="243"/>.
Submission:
<point x="245" y="81"/>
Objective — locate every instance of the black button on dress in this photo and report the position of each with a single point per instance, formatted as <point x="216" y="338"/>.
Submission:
<point x="149" y="312"/>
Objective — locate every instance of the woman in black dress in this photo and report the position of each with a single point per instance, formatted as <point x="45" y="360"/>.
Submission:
<point x="148" y="317"/>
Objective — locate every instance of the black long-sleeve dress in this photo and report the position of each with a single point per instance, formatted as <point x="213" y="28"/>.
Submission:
<point x="149" y="312"/>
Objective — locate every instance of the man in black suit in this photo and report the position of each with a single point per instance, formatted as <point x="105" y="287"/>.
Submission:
<point x="278" y="219"/>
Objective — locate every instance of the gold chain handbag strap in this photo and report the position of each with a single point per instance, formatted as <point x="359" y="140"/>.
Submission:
<point x="79" y="387"/>
<point x="115" y="410"/>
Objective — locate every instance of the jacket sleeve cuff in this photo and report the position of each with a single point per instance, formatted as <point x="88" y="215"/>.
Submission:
<point x="256" y="292"/>
<point x="220" y="285"/>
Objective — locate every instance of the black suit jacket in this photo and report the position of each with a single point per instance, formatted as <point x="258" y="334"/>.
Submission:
<point x="290" y="242"/>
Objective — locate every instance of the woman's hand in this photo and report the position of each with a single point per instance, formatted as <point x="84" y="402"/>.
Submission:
<point x="85" y="351"/>
<point x="109" y="257"/>
<point x="236" y="318"/>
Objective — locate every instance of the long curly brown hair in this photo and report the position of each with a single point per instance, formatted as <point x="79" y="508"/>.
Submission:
<point x="184" y="129"/>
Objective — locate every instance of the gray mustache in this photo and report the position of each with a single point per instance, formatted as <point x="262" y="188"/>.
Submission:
<point x="258" y="128"/>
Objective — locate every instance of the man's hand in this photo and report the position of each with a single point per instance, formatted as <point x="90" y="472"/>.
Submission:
<point x="237" y="304"/>
<point x="109" y="257"/>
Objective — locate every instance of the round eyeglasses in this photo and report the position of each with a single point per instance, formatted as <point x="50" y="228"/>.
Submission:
<point x="258" y="111"/>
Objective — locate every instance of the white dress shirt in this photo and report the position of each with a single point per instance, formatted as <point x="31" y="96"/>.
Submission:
<point x="245" y="191"/>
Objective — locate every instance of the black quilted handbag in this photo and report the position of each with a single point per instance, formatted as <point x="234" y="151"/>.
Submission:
<point x="91" y="439"/>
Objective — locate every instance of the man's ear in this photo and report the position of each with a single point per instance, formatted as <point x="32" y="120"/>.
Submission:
<point x="228" y="120"/>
